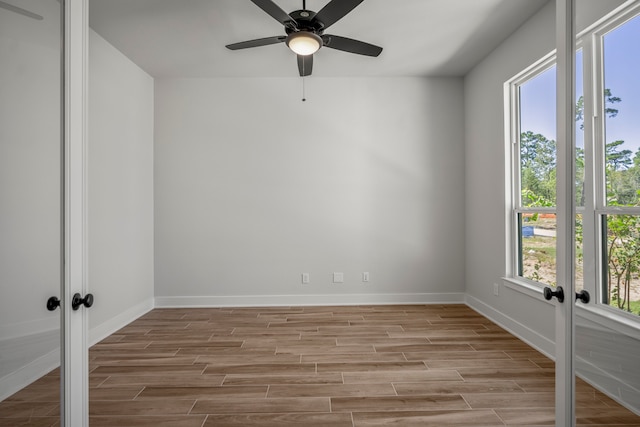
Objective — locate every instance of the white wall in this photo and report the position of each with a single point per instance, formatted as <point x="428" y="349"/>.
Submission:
<point x="120" y="186"/>
<point x="485" y="179"/>
<point x="254" y="187"/>
<point x="528" y="315"/>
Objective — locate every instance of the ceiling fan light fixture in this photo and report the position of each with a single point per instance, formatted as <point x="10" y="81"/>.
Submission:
<point x="304" y="42"/>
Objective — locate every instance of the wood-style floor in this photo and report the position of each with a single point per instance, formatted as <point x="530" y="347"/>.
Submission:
<point x="412" y="365"/>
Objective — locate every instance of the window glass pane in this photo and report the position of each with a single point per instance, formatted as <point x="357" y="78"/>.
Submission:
<point x="579" y="130"/>
<point x="538" y="247"/>
<point x="580" y="196"/>
<point x="537" y="140"/>
<point x="622" y="110"/>
<point x="622" y="262"/>
<point x="579" y="272"/>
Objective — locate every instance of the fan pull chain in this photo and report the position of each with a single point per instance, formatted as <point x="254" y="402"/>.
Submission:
<point x="303" y="91"/>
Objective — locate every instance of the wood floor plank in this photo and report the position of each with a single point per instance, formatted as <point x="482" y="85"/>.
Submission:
<point x="131" y="369"/>
<point x="36" y="394"/>
<point x="318" y="349"/>
<point x="30" y="422"/>
<point x="390" y="348"/>
<point x="331" y="390"/>
<point x="221" y="351"/>
<point x="267" y="379"/>
<point x="528" y="400"/>
<point x="353" y="358"/>
<point x="434" y="333"/>
<point x="444" y="327"/>
<point x="246" y="358"/>
<point x="345" y="341"/>
<point x="170" y="380"/>
<point x="352" y="330"/>
<point x="274" y="341"/>
<point x="462" y="418"/>
<point x="371" y="366"/>
<point x="456" y="387"/>
<point x="280" y="420"/>
<point x="246" y="392"/>
<point x="140" y="407"/>
<point x="144" y="361"/>
<point x="457" y="355"/>
<point x="399" y="403"/>
<point x="118" y="393"/>
<point x="377" y="377"/>
<point x="510" y="400"/>
<point x="146" y="421"/>
<point x="190" y="343"/>
<point x="242" y="406"/>
<point x="475" y="374"/>
<point x="263" y="368"/>
<point x="22" y="409"/>
<point x="480" y="364"/>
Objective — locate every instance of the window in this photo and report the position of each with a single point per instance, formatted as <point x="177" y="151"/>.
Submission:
<point x="534" y="156"/>
<point x="607" y="166"/>
<point x="618" y="204"/>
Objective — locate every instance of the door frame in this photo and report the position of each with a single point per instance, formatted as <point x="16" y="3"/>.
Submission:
<point x="74" y="366"/>
<point x="566" y="210"/>
<point x="74" y="348"/>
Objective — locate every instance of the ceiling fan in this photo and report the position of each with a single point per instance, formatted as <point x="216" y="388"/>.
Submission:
<point x="305" y="32"/>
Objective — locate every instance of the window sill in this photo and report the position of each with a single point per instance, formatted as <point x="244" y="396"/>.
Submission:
<point x="610" y="319"/>
<point x="526" y="288"/>
<point x="592" y="312"/>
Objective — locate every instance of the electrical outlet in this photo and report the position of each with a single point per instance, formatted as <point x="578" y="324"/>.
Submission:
<point x="496" y="289"/>
<point x="305" y="278"/>
<point x="365" y="276"/>
<point x="338" y="277"/>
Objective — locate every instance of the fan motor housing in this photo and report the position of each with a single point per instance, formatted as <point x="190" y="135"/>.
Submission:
<point x="306" y="22"/>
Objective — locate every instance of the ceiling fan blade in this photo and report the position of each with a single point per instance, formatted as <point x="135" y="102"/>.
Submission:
<point x="20" y="10"/>
<point x="335" y="10"/>
<point x="257" y="42"/>
<point x="276" y="12"/>
<point x="350" y="45"/>
<point x="305" y="65"/>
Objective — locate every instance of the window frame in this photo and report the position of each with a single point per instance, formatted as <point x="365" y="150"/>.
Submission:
<point x="600" y="209"/>
<point x="512" y="89"/>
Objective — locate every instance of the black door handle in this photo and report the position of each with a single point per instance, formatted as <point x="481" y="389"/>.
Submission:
<point x="53" y="303"/>
<point x="559" y="293"/>
<point x="77" y="301"/>
<point x="583" y="296"/>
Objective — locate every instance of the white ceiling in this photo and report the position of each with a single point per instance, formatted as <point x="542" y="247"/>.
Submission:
<point x="186" y="38"/>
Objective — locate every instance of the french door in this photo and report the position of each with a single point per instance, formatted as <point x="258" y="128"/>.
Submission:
<point x="42" y="258"/>
<point x="31" y="206"/>
<point x="597" y="336"/>
<point x="74" y="345"/>
<point x="565" y="190"/>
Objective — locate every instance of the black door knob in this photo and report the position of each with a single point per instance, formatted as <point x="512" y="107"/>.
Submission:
<point x="53" y="303"/>
<point x="77" y="301"/>
<point x="558" y="293"/>
<point x="583" y="296"/>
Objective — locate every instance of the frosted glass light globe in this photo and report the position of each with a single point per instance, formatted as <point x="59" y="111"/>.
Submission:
<point x="304" y="43"/>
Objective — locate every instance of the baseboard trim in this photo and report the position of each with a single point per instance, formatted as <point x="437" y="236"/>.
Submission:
<point x="307" y="300"/>
<point x="107" y="328"/>
<point x="22" y="377"/>
<point x="526" y="334"/>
